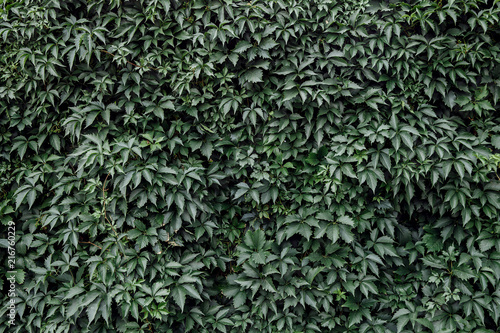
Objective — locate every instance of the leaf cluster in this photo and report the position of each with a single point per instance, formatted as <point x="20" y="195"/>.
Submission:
<point x="263" y="166"/>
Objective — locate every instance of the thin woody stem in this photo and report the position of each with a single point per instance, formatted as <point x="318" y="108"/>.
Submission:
<point x="90" y="243"/>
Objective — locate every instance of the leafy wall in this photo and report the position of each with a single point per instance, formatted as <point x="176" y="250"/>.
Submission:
<point x="262" y="166"/>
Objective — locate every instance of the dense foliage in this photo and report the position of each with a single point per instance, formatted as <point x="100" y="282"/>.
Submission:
<point x="262" y="166"/>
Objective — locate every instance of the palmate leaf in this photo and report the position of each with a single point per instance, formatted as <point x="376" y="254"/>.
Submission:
<point x="259" y="257"/>
<point x="332" y="231"/>
<point x="255" y="240"/>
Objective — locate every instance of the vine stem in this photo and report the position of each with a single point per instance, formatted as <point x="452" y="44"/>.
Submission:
<point x="90" y="243"/>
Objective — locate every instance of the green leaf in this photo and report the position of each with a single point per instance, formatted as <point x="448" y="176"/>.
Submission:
<point x="191" y="291"/>
<point x="179" y="295"/>
<point x="92" y="310"/>
<point x="407" y="139"/>
<point x="255" y="239"/>
<point x="179" y="201"/>
<point x="239" y="299"/>
<point x="259" y="257"/>
<point x="242" y="46"/>
<point x="346" y="220"/>
<point x="449" y="99"/>
<point x="495" y="141"/>
<point x="346" y="234"/>
<point x="481" y="93"/>
<point x="253" y="75"/>
<point x="240" y="192"/>
<point x="207" y="149"/>
<point x="72" y="292"/>
<point x="267" y="44"/>
<point x="55" y="141"/>
<point x="290" y="94"/>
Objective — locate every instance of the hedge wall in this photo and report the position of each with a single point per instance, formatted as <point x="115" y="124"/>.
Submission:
<point x="263" y="166"/>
